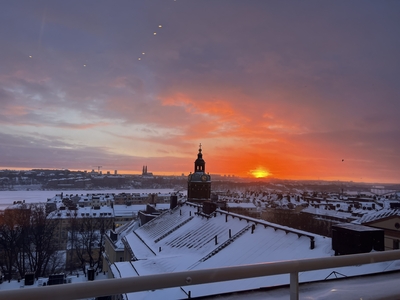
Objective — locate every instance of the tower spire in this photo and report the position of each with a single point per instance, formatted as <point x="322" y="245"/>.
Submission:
<point x="199" y="183"/>
<point x="199" y="164"/>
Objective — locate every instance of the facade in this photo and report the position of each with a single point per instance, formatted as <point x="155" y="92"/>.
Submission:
<point x="114" y="243"/>
<point x="130" y="199"/>
<point x="79" y="232"/>
<point x="98" y="219"/>
<point x="114" y="248"/>
<point x="199" y="182"/>
<point x="389" y="221"/>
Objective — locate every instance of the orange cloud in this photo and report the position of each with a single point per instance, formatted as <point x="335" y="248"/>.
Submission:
<point x="216" y="107"/>
<point x="15" y="110"/>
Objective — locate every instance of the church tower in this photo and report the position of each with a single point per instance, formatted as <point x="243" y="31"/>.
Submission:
<point x="199" y="183"/>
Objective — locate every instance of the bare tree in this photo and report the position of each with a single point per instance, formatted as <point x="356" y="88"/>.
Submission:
<point x="73" y="232"/>
<point x="14" y="224"/>
<point x="89" y="242"/>
<point x="41" y="248"/>
<point x="26" y="240"/>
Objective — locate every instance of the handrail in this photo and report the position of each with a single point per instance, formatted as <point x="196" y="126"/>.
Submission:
<point x="186" y="278"/>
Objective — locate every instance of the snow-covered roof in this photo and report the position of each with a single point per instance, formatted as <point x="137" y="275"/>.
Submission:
<point x="374" y="216"/>
<point x="330" y="213"/>
<point x="121" y="210"/>
<point x="127" y="210"/>
<point x="183" y="239"/>
<point x="241" y="205"/>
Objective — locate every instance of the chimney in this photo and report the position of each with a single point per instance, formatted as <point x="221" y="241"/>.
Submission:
<point x="113" y="236"/>
<point x="173" y="201"/>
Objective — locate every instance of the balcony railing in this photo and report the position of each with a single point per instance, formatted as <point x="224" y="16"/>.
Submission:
<point x="186" y="278"/>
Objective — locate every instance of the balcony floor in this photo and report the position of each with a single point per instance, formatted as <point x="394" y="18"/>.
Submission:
<point x="372" y="287"/>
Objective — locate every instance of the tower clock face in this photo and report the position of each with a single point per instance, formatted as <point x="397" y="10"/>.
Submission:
<point x="204" y="178"/>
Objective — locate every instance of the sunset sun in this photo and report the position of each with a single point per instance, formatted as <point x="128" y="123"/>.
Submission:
<point x="260" y="172"/>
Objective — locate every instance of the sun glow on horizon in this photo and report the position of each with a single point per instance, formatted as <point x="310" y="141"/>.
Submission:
<point x="260" y="172"/>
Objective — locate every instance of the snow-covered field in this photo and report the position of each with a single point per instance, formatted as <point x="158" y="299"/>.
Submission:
<point x="8" y="197"/>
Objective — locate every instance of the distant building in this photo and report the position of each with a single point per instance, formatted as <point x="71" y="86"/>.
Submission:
<point x="100" y="219"/>
<point x="146" y="174"/>
<point x="130" y="199"/>
<point x="248" y="209"/>
<point x="199" y="183"/>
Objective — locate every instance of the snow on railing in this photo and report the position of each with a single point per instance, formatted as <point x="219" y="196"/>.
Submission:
<point x="120" y="286"/>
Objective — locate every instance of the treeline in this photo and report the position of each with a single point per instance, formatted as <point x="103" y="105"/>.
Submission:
<point x="30" y="241"/>
<point x="26" y="242"/>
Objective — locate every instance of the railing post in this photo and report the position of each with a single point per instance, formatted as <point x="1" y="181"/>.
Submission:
<point x="294" y="286"/>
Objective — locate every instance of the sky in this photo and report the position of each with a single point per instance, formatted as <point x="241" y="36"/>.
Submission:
<point x="304" y="90"/>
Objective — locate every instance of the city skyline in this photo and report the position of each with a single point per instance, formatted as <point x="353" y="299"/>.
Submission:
<point x="291" y="90"/>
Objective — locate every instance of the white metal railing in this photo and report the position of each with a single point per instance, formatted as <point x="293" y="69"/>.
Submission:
<point x="186" y="278"/>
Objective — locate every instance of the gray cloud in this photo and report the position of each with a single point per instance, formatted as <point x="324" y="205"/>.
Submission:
<point x="214" y="70"/>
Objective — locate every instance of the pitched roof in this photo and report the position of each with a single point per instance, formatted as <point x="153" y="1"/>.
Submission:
<point x="377" y="215"/>
<point x="184" y="239"/>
